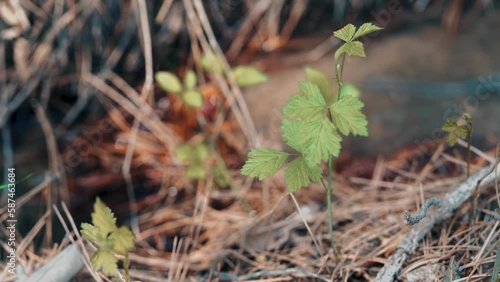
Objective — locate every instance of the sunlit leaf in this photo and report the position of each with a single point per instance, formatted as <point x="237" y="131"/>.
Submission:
<point x="366" y="29"/>
<point x="168" y="82"/>
<point x="322" y="81"/>
<point x="263" y="163"/>
<point x="122" y="240"/>
<point x="346" y="33"/>
<point x="347" y="116"/>
<point x="103" y="217"/>
<point x="320" y="140"/>
<point x="193" y="98"/>
<point x="105" y="261"/>
<point x="299" y="174"/>
<point x="247" y="76"/>
<point x="190" y="80"/>
<point x="307" y="105"/>
<point x="352" y="48"/>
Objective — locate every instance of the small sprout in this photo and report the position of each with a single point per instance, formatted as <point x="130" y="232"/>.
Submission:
<point x="423" y="211"/>
<point x="109" y="239"/>
<point x="194" y="156"/>
<point x="457" y="129"/>
<point x="171" y="83"/>
<point x="248" y="76"/>
<point x="168" y="82"/>
<point x="212" y="63"/>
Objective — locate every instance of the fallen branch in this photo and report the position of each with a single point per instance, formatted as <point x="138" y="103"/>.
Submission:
<point x="449" y="204"/>
<point x="61" y="268"/>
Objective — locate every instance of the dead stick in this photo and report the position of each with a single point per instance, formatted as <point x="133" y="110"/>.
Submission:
<point x="449" y="204"/>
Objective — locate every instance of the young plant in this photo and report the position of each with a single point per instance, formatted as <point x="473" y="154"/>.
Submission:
<point x="457" y="129"/>
<point x="312" y="123"/>
<point x="169" y="82"/>
<point x="195" y="156"/>
<point x="110" y="240"/>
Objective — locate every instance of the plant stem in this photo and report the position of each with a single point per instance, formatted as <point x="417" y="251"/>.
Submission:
<point x="126" y="264"/>
<point x="329" y="202"/>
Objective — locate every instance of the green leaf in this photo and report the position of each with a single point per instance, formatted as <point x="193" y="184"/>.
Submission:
<point x="347" y="116"/>
<point x="103" y="218"/>
<point x="299" y="174"/>
<point x="192" y="98"/>
<point x="105" y="261"/>
<point x="291" y="134"/>
<point x="352" y="48"/>
<point x="346" y="33"/>
<point x="168" y="82"/>
<point x="319" y="140"/>
<point x="201" y="152"/>
<point x="92" y="233"/>
<point x="122" y="240"/>
<point x="350" y="90"/>
<point x="307" y="105"/>
<point x="211" y="63"/>
<point x="184" y="152"/>
<point x="247" y="76"/>
<point x="196" y="172"/>
<point x="221" y="176"/>
<point x="190" y="80"/>
<point x="263" y="163"/>
<point x="321" y="80"/>
<point x="454" y="131"/>
<point x="366" y="29"/>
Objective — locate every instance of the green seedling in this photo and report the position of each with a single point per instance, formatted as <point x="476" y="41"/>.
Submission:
<point x="312" y="124"/>
<point x="169" y="82"/>
<point x="110" y="241"/>
<point x="458" y="129"/>
<point x="194" y="156"/>
<point x="245" y="75"/>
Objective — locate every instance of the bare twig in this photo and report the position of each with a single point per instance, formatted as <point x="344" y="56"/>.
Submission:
<point x="449" y="204"/>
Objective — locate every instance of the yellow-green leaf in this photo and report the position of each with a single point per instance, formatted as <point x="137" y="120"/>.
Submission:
<point x="168" y="82"/>
<point x="346" y="33"/>
<point x="263" y="163"/>
<point x="291" y="134"/>
<point x="247" y="76"/>
<point x="196" y="172"/>
<point x="365" y="29"/>
<point x="184" y="152"/>
<point x="122" y="240"/>
<point x="351" y="48"/>
<point x="319" y="140"/>
<point x="307" y="105"/>
<point x="190" y="80"/>
<point x="211" y="63"/>
<point x="454" y="131"/>
<point x="92" y="233"/>
<point x="103" y="217"/>
<point x="347" y="116"/>
<point x="105" y="261"/>
<point x="321" y="80"/>
<point x="350" y="90"/>
<point x="299" y="174"/>
<point x="192" y="98"/>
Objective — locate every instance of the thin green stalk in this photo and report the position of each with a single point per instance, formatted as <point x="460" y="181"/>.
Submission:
<point x="329" y="202"/>
<point x="126" y="264"/>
